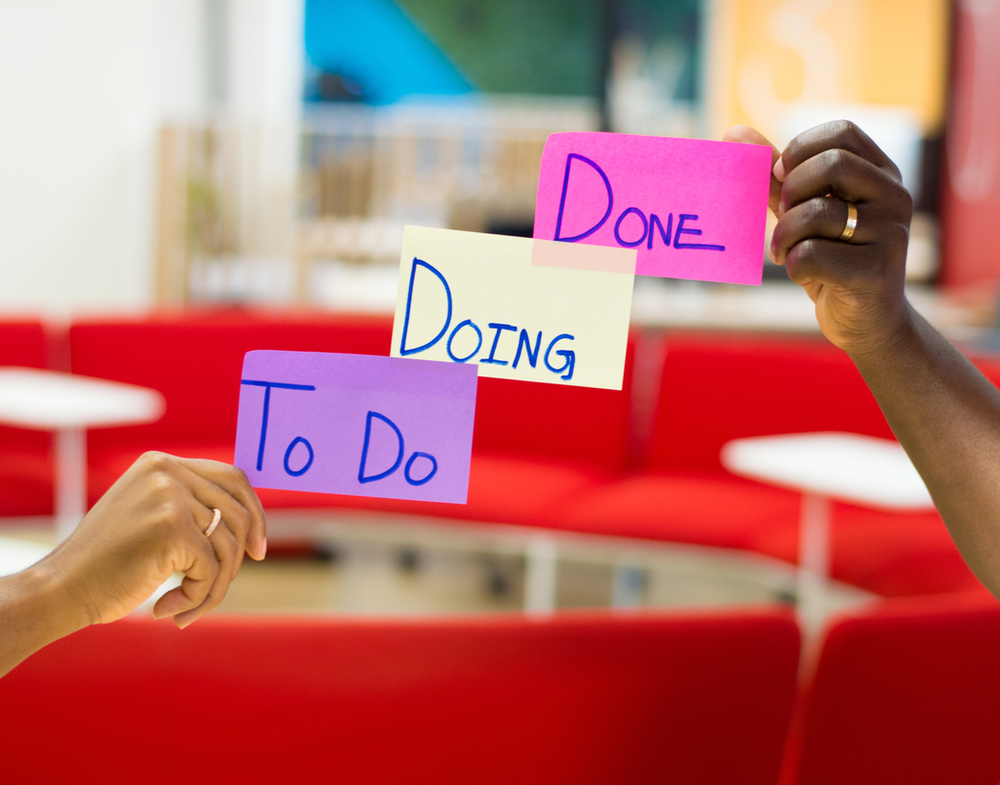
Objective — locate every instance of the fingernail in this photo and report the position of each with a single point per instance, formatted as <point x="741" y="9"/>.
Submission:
<point x="263" y="549"/>
<point x="779" y="170"/>
<point x="770" y="253"/>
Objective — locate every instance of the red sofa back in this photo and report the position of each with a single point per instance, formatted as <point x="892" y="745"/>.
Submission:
<point x="195" y="358"/>
<point x="905" y="692"/>
<point x="591" y="699"/>
<point x="721" y="386"/>
<point x="553" y="421"/>
<point x="25" y="455"/>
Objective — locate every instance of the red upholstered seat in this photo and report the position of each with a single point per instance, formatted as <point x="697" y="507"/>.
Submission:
<point x="719" y="387"/>
<point x="701" y="508"/>
<point x="26" y="467"/>
<point x="904" y="693"/>
<point x="895" y="554"/>
<point x="503" y="488"/>
<point x="580" y="699"/>
<point x="716" y="387"/>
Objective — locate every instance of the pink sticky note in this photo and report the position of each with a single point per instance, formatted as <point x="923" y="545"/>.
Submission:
<point x="692" y="209"/>
<point x="356" y="424"/>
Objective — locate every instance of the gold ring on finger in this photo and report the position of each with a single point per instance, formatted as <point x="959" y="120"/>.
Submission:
<point x="216" y="518"/>
<point x="852" y="223"/>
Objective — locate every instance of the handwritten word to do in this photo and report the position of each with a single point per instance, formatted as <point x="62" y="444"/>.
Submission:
<point x="514" y="307"/>
<point x="692" y="209"/>
<point x="356" y="424"/>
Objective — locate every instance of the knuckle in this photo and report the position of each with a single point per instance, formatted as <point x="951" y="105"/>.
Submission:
<point x="845" y="129"/>
<point x="834" y="162"/>
<point x="170" y="512"/>
<point x="164" y="483"/>
<point x="819" y="212"/>
<point x="239" y="476"/>
<point x="166" y="490"/>
<point x="807" y="250"/>
<point x="156" y="461"/>
<point x="904" y="199"/>
<point x="896" y="234"/>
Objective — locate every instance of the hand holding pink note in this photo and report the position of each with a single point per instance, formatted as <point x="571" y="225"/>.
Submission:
<point x="692" y="209"/>
<point x="356" y="424"/>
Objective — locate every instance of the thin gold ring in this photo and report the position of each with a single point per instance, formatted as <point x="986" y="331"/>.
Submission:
<point x="215" y="521"/>
<point x="852" y="223"/>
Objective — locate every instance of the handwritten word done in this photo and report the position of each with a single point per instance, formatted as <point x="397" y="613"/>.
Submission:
<point x="689" y="208"/>
<point x="651" y="228"/>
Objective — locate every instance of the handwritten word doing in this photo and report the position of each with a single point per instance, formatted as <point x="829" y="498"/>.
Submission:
<point x="563" y="371"/>
<point x="650" y="227"/>
<point x="363" y="470"/>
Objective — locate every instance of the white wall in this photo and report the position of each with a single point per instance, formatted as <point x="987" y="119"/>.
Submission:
<point x="84" y="87"/>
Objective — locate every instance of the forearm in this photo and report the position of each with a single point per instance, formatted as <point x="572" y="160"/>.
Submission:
<point x="947" y="417"/>
<point x="34" y="611"/>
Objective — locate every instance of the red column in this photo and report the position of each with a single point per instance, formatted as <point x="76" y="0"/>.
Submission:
<point x="970" y="206"/>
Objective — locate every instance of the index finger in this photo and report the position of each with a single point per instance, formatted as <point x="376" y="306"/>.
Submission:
<point x="838" y="135"/>
<point x="235" y="482"/>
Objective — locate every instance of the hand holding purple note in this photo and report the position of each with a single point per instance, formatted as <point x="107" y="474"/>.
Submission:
<point x="692" y="209"/>
<point x="356" y="424"/>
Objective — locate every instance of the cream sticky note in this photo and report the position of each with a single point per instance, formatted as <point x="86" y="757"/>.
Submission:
<point x="691" y="208"/>
<point x="525" y="309"/>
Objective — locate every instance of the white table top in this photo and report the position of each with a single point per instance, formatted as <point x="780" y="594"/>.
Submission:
<point x="846" y="466"/>
<point x="48" y="400"/>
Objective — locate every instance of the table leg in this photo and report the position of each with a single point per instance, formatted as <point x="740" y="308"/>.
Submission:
<point x="71" y="479"/>
<point x="814" y="560"/>
<point x="541" y="575"/>
<point x="626" y="586"/>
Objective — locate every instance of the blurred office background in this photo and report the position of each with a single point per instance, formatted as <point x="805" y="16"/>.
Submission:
<point x="182" y="181"/>
<point x="172" y="151"/>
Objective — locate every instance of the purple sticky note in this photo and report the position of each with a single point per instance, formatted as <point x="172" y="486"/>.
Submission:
<point x="692" y="209"/>
<point x="357" y="424"/>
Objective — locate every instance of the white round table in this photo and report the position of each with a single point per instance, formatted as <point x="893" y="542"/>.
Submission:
<point x="67" y="405"/>
<point x="823" y="466"/>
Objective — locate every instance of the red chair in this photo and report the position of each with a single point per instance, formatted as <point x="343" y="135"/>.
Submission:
<point x="905" y="692"/>
<point x="721" y="386"/>
<point x="26" y="465"/>
<point x="688" y="698"/>
<point x="716" y="387"/>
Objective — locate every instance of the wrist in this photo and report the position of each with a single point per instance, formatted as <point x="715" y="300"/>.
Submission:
<point x="35" y="610"/>
<point x="45" y="594"/>
<point x="896" y="340"/>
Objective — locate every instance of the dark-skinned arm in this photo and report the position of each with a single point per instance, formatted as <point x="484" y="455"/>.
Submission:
<point x="944" y="413"/>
